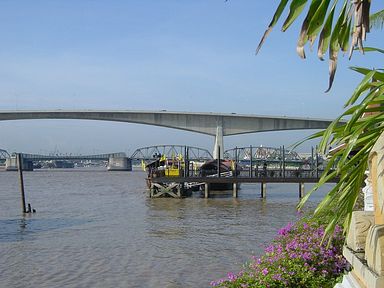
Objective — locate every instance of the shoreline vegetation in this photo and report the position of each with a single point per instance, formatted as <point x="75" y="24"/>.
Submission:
<point x="299" y="256"/>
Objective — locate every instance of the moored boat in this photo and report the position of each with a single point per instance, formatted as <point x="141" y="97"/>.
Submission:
<point x="227" y="168"/>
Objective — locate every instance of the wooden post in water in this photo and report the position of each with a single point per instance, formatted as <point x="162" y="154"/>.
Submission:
<point x="218" y="162"/>
<point x="234" y="194"/>
<point x="206" y="190"/>
<point x="317" y="163"/>
<point x="21" y="181"/>
<point x="312" y="161"/>
<point x="234" y="172"/>
<point x="250" y="162"/>
<point x="180" y="190"/>
<point x="301" y="190"/>
<point x="186" y="161"/>
<point x="283" y="162"/>
<point x="263" y="189"/>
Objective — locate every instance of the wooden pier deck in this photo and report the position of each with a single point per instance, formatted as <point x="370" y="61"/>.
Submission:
<point x="176" y="186"/>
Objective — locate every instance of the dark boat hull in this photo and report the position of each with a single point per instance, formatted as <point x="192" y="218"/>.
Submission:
<point x="220" y="186"/>
<point x="226" y="167"/>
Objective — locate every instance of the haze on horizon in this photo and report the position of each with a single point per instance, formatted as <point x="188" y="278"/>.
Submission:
<point x="196" y="56"/>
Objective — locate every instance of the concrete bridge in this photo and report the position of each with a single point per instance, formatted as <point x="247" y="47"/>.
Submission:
<point x="214" y="124"/>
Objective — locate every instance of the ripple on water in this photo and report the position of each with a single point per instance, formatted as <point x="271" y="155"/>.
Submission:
<point x="98" y="229"/>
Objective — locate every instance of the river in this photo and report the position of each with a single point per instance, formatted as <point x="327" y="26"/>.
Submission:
<point x="95" y="228"/>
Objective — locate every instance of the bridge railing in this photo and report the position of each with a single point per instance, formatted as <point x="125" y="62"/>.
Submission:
<point x="191" y="171"/>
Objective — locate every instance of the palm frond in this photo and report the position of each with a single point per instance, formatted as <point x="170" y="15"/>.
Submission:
<point x="377" y="20"/>
<point x="357" y="136"/>
<point x="353" y="21"/>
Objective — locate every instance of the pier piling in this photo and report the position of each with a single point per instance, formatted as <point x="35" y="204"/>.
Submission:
<point x="206" y="190"/>
<point x="234" y="190"/>
<point x="301" y="190"/>
<point x="263" y="189"/>
<point x="21" y="181"/>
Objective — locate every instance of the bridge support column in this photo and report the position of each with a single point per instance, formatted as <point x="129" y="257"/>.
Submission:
<point x="12" y="165"/>
<point x="301" y="190"/>
<point x="218" y="150"/>
<point x="119" y="164"/>
<point x="263" y="189"/>
<point x="235" y="190"/>
<point x="206" y="190"/>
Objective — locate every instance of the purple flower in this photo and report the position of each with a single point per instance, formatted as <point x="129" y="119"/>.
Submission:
<point x="297" y="250"/>
<point x="231" y="277"/>
<point x="285" y="230"/>
<point x="265" y="271"/>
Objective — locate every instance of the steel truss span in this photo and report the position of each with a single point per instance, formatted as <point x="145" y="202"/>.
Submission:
<point x="4" y="154"/>
<point x="171" y="151"/>
<point x="36" y="157"/>
<point x="262" y="154"/>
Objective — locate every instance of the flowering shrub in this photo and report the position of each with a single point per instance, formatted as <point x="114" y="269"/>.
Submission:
<point x="296" y="258"/>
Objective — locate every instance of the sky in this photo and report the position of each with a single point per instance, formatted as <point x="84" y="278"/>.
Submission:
<point x="175" y="55"/>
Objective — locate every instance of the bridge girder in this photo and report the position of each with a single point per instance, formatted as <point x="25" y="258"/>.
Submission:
<point x="206" y="123"/>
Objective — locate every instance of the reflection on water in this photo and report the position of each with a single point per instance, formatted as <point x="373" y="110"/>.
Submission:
<point x="98" y="229"/>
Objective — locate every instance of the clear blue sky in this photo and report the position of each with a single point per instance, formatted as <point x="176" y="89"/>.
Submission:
<point x="196" y="55"/>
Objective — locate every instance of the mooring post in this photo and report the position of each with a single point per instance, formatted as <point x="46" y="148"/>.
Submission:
<point x="263" y="189"/>
<point x="317" y="163"/>
<point x="206" y="190"/>
<point x="312" y="162"/>
<point x="234" y="194"/>
<point x="283" y="161"/>
<point x="19" y="160"/>
<point x="301" y="190"/>
<point x="235" y="165"/>
<point x="179" y="189"/>
<point x="218" y="162"/>
<point x="186" y="161"/>
<point x="250" y="162"/>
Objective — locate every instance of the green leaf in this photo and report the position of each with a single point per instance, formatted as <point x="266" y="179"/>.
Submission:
<point x="275" y="18"/>
<point x="373" y="49"/>
<point x="334" y="46"/>
<point x="378" y="75"/>
<point x="325" y="35"/>
<point x="345" y="34"/>
<point x="327" y="134"/>
<point x="303" y="38"/>
<point x="318" y="18"/>
<point x="360" y="88"/>
<point x="295" y="9"/>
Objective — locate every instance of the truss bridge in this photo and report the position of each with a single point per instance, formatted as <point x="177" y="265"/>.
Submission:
<point x="171" y="151"/>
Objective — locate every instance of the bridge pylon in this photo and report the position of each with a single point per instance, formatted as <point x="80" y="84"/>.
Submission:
<point x="218" y="149"/>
